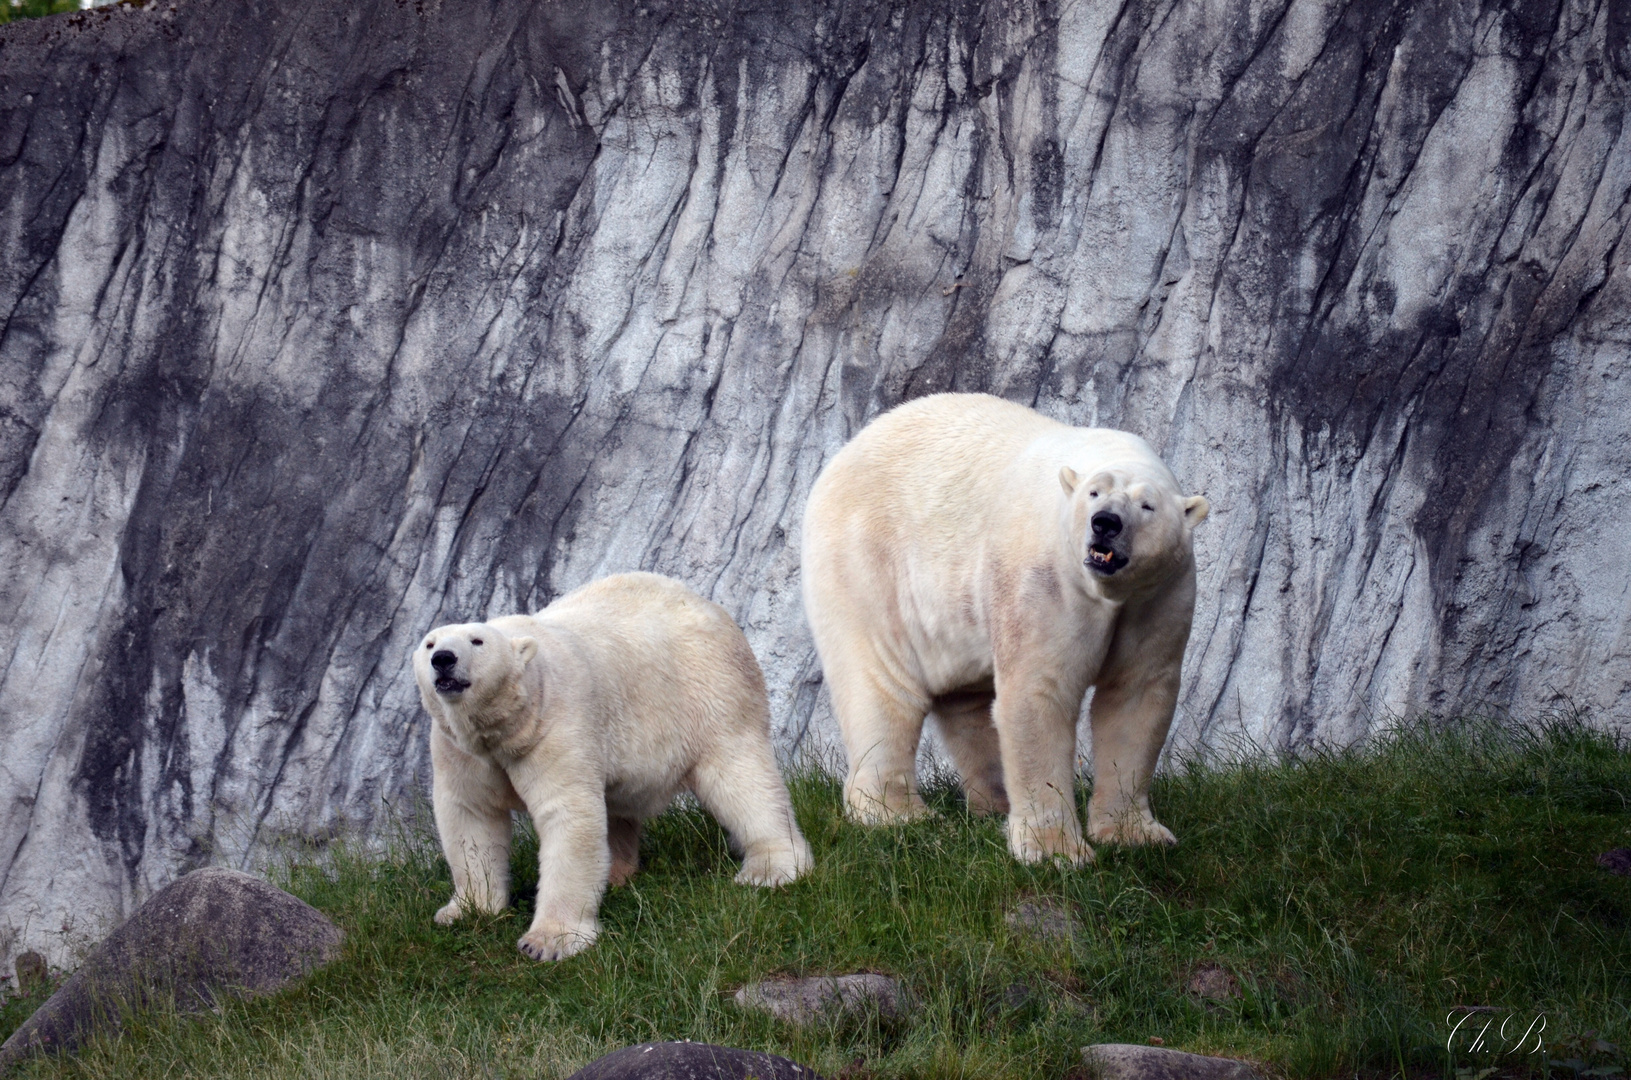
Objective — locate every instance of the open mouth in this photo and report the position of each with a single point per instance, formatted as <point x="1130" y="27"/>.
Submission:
<point x="447" y="684"/>
<point x="1105" y="559"/>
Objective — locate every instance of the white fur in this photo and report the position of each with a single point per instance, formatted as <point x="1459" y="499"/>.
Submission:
<point x="590" y="716"/>
<point x="944" y="571"/>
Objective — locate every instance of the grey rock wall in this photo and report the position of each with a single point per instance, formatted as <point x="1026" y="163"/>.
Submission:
<point x="325" y="321"/>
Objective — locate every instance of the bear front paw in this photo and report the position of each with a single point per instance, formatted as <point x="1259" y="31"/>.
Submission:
<point x="557" y="943"/>
<point x="449" y="913"/>
<point x="771" y="871"/>
<point x="1038" y="845"/>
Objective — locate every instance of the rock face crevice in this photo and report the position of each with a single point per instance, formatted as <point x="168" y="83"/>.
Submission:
<point x="322" y="323"/>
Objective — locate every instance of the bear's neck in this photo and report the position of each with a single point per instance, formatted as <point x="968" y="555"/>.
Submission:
<point x="499" y="716"/>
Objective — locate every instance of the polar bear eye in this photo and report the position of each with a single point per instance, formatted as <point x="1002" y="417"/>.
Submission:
<point x="1092" y="494"/>
<point x="475" y="641"/>
<point x="430" y="644"/>
<point x="1150" y="508"/>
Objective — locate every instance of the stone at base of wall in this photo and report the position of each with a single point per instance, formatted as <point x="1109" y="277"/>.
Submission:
<point x="214" y="933"/>
<point x="691" y="1061"/>
<point x="1129" y="1061"/>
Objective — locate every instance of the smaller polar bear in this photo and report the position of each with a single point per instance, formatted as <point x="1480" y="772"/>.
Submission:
<point x="591" y="716"/>
<point x="970" y="558"/>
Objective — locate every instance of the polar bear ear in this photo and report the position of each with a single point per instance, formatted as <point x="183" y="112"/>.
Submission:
<point x="1195" y="510"/>
<point x="525" y="648"/>
<point x="1068" y="479"/>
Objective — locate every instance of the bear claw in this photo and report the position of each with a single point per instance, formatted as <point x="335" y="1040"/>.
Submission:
<point x="556" y="944"/>
<point x="1132" y="834"/>
<point x="1077" y="856"/>
<point x="1039" y="845"/>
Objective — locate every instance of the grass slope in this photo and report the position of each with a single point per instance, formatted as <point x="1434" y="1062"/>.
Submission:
<point x="1358" y="897"/>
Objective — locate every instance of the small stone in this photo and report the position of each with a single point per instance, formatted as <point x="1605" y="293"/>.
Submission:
<point x="802" y="1001"/>
<point x="691" y="1061"/>
<point x="214" y="933"/>
<point x="1072" y="1005"/>
<point x="1017" y="995"/>
<point x="1046" y="921"/>
<point x="1129" y="1061"/>
<point x="32" y="974"/>
<point x="1213" y="983"/>
<point x="1616" y="861"/>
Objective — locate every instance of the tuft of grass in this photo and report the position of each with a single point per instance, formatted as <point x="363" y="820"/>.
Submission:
<point x="1363" y="900"/>
<point x="34" y="9"/>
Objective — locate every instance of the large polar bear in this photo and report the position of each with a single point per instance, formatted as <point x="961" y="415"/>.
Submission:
<point x="968" y="557"/>
<point x="590" y="716"/>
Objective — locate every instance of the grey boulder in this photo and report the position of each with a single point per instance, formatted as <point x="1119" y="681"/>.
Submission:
<point x="803" y="1001"/>
<point x="1129" y="1061"/>
<point x="1616" y="861"/>
<point x="1212" y="983"/>
<point x="1045" y="921"/>
<point x="33" y="974"/>
<point x="212" y="934"/>
<point x="691" y="1061"/>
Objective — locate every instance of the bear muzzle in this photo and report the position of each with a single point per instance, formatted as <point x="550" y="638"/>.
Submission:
<point x="1104" y="556"/>
<point x="447" y="683"/>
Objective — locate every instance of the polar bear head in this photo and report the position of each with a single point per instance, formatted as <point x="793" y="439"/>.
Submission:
<point x="1131" y="527"/>
<point x="474" y="659"/>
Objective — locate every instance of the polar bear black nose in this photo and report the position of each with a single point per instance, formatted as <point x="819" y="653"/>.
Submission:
<point x="443" y="659"/>
<point x="1105" y="525"/>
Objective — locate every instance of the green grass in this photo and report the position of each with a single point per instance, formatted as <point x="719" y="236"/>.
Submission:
<point x="33" y="9"/>
<point x="1357" y="896"/>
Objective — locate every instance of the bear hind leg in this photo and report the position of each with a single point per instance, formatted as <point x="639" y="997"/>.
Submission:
<point x="963" y="720"/>
<point x="881" y="730"/>
<point x="623" y="838"/>
<point x="742" y="788"/>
